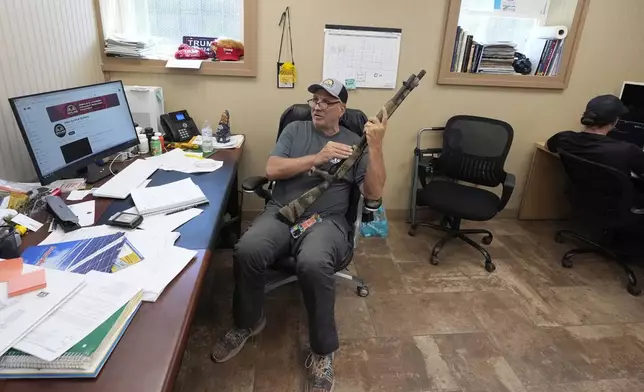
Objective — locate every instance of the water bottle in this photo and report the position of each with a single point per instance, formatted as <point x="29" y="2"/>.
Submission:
<point x="206" y="137"/>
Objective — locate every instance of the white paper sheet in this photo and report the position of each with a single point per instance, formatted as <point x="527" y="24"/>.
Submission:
<point x="177" y="160"/>
<point x="177" y="196"/>
<point x="368" y="56"/>
<point x="155" y="274"/>
<point x="27" y="222"/>
<point x="102" y="295"/>
<point x="78" y="195"/>
<point x="85" y="212"/>
<point x="169" y="222"/>
<point x="20" y="314"/>
<point x="183" y="63"/>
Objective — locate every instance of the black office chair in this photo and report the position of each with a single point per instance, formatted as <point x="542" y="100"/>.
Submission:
<point x="601" y="198"/>
<point x="283" y="270"/>
<point x="474" y="151"/>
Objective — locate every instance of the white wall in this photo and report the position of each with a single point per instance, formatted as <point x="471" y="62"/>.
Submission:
<point x="44" y="45"/>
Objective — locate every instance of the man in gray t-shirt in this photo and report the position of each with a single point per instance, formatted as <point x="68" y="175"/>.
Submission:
<point x="302" y="145"/>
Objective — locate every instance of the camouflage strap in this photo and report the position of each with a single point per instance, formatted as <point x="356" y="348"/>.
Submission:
<point x="291" y="212"/>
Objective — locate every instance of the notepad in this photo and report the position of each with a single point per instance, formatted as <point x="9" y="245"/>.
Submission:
<point x="176" y="196"/>
<point x="10" y="268"/>
<point x="25" y="283"/>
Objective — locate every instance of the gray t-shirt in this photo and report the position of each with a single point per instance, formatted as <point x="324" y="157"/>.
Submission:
<point x="300" y="139"/>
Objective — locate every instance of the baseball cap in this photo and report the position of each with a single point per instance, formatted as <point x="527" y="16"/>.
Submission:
<point x="603" y="110"/>
<point x="333" y="87"/>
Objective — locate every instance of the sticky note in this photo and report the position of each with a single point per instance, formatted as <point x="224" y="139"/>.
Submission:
<point x="25" y="283"/>
<point x="350" y="84"/>
<point x="10" y="268"/>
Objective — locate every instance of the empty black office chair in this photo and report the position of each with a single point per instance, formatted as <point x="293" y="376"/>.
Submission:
<point x="474" y="151"/>
<point x="283" y="271"/>
<point x="601" y="198"/>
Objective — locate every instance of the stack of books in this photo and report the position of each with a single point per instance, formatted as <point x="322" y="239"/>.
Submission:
<point x="467" y="52"/>
<point x="497" y="59"/>
<point x="550" y="59"/>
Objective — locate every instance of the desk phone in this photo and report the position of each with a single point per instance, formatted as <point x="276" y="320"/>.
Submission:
<point x="179" y="126"/>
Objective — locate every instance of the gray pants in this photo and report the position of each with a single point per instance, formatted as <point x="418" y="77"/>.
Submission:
<point x="317" y="251"/>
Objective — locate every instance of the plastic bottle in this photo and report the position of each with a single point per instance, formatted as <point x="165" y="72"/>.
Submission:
<point x="144" y="147"/>
<point x="155" y="145"/>
<point x="160" y="136"/>
<point x="206" y="137"/>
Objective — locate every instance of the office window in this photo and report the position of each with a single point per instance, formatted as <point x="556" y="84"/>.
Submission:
<point x="150" y="32"/>
<point x="163" y="23"/>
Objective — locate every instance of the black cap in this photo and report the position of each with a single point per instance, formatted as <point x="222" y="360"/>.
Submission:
<point x="603" y="110"/>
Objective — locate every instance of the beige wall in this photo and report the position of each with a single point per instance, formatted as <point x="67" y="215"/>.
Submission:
<point x="44" y="45"/>
<point x="255" y="104"/>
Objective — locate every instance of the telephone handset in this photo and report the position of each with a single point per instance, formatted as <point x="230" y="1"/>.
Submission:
<point x="178" y="126"/>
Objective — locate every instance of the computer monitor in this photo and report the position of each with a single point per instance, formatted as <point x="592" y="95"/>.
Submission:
<point x="630" y="127"/>
<point x="67" y="131"/>
<point x="633" y="98"/>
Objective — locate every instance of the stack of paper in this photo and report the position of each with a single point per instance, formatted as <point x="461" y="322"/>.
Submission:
<point x="77" y="338"/>
<point x="178" y="160"/>
<point x="101" y="297"/>
<point x="155" y="274"/>
<point x="19" y="315"/>
<point x="163" y="199"/>
<point x="121" y="46"/>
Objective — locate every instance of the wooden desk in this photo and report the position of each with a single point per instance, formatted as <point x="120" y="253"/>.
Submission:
<point x="148" y="356"/>
<point x="544" y="193"/>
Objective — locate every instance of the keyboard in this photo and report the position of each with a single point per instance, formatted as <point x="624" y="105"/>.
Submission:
<point x="120" y="186"/>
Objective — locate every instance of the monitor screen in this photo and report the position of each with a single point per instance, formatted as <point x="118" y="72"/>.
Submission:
<point x="71" y="128"/>
<point x="633" y="98"/>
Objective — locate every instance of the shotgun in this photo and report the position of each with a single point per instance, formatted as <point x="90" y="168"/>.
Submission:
<point x="291" y="212"/>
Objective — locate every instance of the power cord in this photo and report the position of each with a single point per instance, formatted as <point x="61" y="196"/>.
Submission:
<point x="117" y="157"/>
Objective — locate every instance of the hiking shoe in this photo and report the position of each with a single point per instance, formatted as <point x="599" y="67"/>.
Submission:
<point x="320" y="373"/>
<point x="232" y="342"/>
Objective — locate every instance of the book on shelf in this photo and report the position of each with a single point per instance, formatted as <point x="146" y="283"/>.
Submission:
<point x="545" y="55"/>
<point x="471" y="56"/>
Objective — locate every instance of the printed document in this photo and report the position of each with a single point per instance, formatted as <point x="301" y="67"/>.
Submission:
<point x="19" y="315"/>
<point x="102" y="295"/>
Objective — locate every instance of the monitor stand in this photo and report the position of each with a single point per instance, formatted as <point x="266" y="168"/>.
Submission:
<point x="92" y="173"/>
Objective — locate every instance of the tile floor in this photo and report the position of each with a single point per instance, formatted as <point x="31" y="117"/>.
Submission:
<point x="531" y="326"/>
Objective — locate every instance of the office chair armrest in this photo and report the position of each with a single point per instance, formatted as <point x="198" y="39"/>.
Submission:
<point x="251" y="184"/>
<point x="256" y="185"/>
<point x="508" y="188"/>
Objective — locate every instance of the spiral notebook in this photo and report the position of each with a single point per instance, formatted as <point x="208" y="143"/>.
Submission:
<point x="172" y="197"/>
<point x="85" y="359"/>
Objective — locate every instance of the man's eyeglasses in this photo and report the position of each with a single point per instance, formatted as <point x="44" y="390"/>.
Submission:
<point x="321" y="103"/>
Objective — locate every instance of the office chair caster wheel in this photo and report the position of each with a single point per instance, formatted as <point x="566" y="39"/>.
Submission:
<point x="490" y="267"/>
<point x="434" y="259"/>
<point x="487" y="240"/>
<point x="412" y="231"/>
<point x="566" y="263"/>
<point x="362" y="291"/>
<point x="634" y="290"/>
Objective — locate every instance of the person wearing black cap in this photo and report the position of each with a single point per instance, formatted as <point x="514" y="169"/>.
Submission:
<point x="302" y="145"/>
<point x="600" y="117"/>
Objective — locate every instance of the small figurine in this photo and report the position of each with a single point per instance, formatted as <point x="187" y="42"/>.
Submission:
<point x="223" y="129"/>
